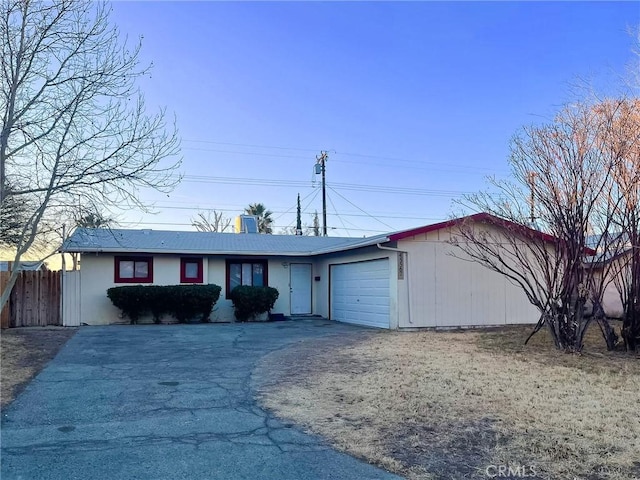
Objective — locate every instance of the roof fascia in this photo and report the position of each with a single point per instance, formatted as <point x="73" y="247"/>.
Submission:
<point x="312" y="253"/>
<point x="186" y="252"/>
<point x="482" y="217"/>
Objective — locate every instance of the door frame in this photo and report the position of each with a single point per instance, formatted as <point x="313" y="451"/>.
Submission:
<point x="291" y="266"/>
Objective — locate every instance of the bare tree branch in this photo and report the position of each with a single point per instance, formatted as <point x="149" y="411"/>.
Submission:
<point x="564" y="176"/>
<point x="204" y="223"/>
<point x="75" y="126"/>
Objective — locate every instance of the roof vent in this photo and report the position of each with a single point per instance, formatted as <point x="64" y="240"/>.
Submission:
<point x="247" y="224"/>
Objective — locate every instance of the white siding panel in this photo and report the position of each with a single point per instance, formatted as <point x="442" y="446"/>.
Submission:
<point x="447" y="291"/>
<point x="454" y="287"/>
<point x="487" y="293"/>
<point x="420" y="274"/>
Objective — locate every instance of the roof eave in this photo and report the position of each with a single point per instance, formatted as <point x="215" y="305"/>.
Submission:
<point x="322" y="251"/>
<point x="182" y="252"/>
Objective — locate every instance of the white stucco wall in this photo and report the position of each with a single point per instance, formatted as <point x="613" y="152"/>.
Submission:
<point x="278" y="277"/>
<point x="97" y="275"/>
<point x="445" y="291"/>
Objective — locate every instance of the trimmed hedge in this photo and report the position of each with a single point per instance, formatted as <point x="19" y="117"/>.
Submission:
<point x="248" y="301"/>
<point x="184" y="302"/>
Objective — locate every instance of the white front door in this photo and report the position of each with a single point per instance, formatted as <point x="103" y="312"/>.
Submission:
<point x="300" y="286"/>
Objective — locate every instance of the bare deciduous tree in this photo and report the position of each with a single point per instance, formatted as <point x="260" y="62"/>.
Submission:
<point x="13" y="216"/>
<point x="204" y="223"/>
<point x="561" y="186"/>
<point x="621" y="142"/>
<point x="74" y="123"/>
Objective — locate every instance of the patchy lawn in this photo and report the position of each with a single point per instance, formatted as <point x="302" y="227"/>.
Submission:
<point x="451" y="404"/>
<point x="24" y="352"/>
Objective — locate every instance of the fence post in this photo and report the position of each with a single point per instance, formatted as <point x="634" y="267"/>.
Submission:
<point x="4" y="315"/>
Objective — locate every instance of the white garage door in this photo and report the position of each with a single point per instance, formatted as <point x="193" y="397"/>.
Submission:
<point x="360" y="293"/>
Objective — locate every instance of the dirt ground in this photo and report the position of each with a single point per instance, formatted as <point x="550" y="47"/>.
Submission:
<point x="461" y="404"/>
<point x="24" y="352"/>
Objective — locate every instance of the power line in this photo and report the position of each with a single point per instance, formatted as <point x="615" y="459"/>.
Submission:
<point x="304" y="209"/>
<point x="353" y="204"/>
<point x="274" y="226"/>
<point x="295" y="205"/>
<point x="419" y="164"/>
<point x="339" y="217"/>
<point x="281" y="213"/>
<point x="266" y="182"/>
<point x="256" y="154"/>
<point x="395" y="160"/>
<point x="253" y="146"/>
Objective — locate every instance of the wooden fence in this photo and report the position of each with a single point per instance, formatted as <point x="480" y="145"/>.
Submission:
<point x="4" y="315"/>
<point x="35" y="299"/>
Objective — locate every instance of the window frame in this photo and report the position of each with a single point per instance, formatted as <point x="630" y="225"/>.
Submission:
<point x="132" y="258"/>
<point x="240" y="261"/>
<point x="183" y="270"/>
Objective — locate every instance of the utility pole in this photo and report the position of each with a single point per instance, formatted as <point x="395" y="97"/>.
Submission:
<point x="320" y="168"/>
<point x="532" y="199"/>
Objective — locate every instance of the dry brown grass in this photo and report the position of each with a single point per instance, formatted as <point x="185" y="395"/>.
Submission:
<point x="24" y="352"/>
<point x="449" y="404"/>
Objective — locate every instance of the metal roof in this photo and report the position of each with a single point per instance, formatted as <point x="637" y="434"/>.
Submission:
<point x="211" y="243"/>
<point x="208" y="243"/>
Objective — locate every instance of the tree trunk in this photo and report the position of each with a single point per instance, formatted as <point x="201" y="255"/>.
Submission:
<point x="631" y="322"/>
<point x="631" y="328"/>
<point x="6" y="293"/>
<point x="608" y="333"/>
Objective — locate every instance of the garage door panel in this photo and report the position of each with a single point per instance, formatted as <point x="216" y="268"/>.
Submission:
<point x="360" y="293"/>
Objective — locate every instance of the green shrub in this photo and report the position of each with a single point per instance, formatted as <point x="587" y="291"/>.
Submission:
<point x="157" y="300"/>
<point x="184" y="302"/>
<point x="248" y="301"/>
<point x="130" y="300"/>
<point x="191" y="301"/>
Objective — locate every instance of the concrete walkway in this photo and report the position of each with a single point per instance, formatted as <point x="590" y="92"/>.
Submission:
<point x="165" y="402"/>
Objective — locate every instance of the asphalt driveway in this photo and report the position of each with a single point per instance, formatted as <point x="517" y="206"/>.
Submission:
<point x="166" y="402"/>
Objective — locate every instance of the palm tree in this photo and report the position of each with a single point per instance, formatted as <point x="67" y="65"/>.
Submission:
<point x="264" y="216"/>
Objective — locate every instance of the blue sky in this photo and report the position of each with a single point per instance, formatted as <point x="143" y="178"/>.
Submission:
<point x="415" y="102"/>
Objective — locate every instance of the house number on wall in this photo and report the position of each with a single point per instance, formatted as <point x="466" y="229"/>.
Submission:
<point x="400" y="266"/>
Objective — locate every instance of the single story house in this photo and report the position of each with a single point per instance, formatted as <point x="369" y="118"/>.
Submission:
<point x="618" y="271"/>
<point x="406" y="279"/>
